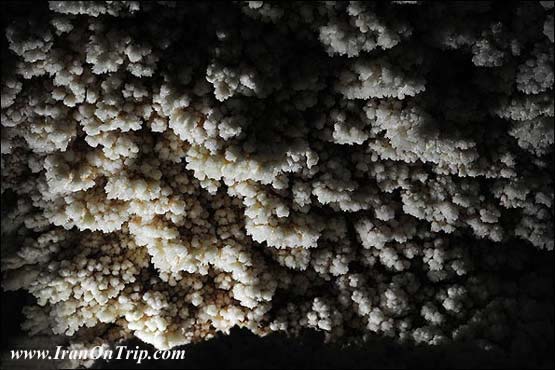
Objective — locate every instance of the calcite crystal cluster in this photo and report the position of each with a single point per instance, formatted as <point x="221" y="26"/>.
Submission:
<point x="358" y="168"/>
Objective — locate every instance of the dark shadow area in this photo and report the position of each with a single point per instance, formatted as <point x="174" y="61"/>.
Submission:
<point x="243" y="350"/>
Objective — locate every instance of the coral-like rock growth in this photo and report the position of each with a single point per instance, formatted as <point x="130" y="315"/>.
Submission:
<point x="178" y="169"/>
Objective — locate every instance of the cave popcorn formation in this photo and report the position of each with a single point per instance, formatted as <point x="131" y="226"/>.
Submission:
<point x="355" y="168"/>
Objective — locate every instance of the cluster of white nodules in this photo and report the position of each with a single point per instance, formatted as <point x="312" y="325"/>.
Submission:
<point x="349" y="167"/>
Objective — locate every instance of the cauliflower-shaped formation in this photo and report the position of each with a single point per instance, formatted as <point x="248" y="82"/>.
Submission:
<point x="174" y="170"/>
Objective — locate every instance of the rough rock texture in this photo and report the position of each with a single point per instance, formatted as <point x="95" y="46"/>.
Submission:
<point x="178" y="169"/>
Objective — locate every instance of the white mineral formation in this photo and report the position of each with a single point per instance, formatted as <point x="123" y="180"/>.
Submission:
<point x="172" y="170"/>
